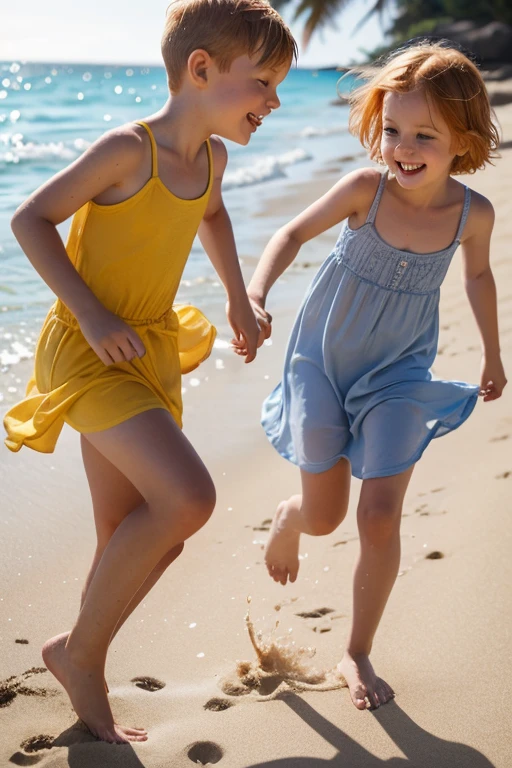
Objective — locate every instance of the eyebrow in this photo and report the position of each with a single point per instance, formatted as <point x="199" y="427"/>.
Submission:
<point x="427" y="127"/>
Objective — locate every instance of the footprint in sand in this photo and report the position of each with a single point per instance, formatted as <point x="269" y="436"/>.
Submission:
<point x="148" y="683"/>
<point x="204" y="753"/>
<point x="326" y="616"/>
<point x="264" y="526"/>
<point x="317" y="613"/>
<point x="218" y="705"/>
<point x="14" y="686"/>
<point x="30" y="747"/>
<point x="424" y="511"/>
<point x="435" y="555"/>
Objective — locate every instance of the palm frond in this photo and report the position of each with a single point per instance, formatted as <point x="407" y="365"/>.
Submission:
<point x="378" y="7"/>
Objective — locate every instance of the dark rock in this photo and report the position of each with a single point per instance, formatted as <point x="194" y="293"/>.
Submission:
<point x="491" y="43"/>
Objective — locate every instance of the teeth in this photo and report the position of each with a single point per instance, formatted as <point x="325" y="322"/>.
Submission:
<point x="410" y="167"/>
<point x="253" y="119"/>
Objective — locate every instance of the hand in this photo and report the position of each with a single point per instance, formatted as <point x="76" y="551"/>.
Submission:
<point x="246" y="328"/>
<point x="492" y="379"/>
<point x="263" y="318"/>
<point x="113" y="340"/>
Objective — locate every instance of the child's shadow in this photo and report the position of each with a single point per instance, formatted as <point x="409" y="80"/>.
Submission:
<point x="422" y="749"/>
<point x="85" y="750"/>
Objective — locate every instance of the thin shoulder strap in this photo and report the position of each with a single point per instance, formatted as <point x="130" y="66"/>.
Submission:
<point x="465" y="211"/>
<point x="210" y="165"/>
<point x="376" y="200"/>
<point x="154" y="156"/>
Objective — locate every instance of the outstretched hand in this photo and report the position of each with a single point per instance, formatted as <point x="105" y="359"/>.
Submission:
<point x="492" y="379"/>
<point x="113" y="340"/>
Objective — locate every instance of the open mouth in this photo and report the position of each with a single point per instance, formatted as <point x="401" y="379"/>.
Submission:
<point x="253" y="120"/>
<point x="409" y="169"/>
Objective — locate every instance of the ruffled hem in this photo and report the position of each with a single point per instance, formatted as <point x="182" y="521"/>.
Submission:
<point x="37" y="421"/>
<point x="281" y="436"/>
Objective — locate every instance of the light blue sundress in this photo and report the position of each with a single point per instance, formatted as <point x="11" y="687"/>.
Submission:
<point x="357" y="380"/>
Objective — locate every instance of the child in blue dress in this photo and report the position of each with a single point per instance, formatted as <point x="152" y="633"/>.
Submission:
<point x="358" y="396"/>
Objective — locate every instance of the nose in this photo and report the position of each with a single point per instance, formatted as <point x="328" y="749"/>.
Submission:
<point x="274" y="102"/>
<point x="405" y="146"/>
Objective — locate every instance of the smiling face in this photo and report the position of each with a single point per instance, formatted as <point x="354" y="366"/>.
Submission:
<point x="241" y="98"/>
<point x="416" y="143"/>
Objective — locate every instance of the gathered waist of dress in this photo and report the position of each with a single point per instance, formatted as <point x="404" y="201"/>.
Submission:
<point x="375" y="262"/>
<point x="166" y="322"/>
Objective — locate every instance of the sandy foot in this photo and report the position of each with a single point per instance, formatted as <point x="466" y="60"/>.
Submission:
<point x="366" y="689"/>
<point x="282" y="550"/>
<point x="86" y="689"/>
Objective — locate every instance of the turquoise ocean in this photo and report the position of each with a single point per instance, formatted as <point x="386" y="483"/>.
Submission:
<point x="51" y="113"/>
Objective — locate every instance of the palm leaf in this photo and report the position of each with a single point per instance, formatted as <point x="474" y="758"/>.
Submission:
<point x="321" y="12"/>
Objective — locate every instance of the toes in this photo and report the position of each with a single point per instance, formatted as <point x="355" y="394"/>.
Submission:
<point x="385" y="691"/>
<point x="359" y="697"/>
<point x="280" y="575"/>
<point x="134" y="731"/>
<point x="293" y="575"/>
<point x="374" y="700"/>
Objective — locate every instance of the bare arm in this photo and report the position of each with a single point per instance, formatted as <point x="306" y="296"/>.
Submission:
<point x="481" y="292"/>
<point x="348" y="195"/>
<point x="104" y="164"/>
<point x="216" y="235"/>
<point x="216" y="232"/>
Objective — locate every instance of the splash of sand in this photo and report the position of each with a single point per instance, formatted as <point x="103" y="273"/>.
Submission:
<point x="280" y="665"/>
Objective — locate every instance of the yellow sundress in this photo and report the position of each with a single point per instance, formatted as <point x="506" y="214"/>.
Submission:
<point x="132" y="255"/>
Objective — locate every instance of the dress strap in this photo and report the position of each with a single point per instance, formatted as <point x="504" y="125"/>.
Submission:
<point x="465" y="211"/>
<point x="154" y="155"/>
<point x="376" y="200"/>
<point x="210" y="165"/>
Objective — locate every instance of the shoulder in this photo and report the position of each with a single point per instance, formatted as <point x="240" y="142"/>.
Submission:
<point x="126" y="145"/>
<point x="480" y="218"/>
<point x="363" y="184"/>
<point x="219" y="155"/>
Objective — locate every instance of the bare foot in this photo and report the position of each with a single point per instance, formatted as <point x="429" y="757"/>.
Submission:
<point x="86" y="689"/>
<point x="282" y="550"/>
<point x="366" y="689"/>
<point x="65" y="635"/>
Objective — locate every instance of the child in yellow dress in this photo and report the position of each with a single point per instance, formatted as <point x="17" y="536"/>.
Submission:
<point x="112" y="349"/>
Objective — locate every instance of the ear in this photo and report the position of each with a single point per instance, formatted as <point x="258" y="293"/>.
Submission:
<point x="461" y="146"/>
<point x="198" y="64"/>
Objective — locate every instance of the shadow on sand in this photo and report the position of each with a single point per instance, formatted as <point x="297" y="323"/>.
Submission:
<point x="422" y="749"/>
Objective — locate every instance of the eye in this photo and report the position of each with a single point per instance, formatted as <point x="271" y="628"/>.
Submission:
<point x="390" y="131"/>
<point x="263" y="82"/>
<point x="424" y="136"/>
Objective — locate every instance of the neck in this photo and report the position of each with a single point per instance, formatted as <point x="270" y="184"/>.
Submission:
<point x="431" y="194"/>
<point x="181" y="127"/>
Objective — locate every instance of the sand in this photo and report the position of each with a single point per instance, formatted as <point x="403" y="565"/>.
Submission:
<point x="444" y="640"/>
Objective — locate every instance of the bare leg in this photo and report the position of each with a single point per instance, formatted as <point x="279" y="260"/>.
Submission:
<point x="179" y="496"/>
<point x="113" y="498"/>
<point x="318" y="511"/>
<point x="378" y="515"/>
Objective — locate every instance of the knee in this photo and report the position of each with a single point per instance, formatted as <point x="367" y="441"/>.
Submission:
<point x="196" y="506"/>
<point x="323" y="519"/>
<point x="171" y="556"/>
<point x="378" y="522"/>
<point x="322" y="526"/>
<point x="188" y="507"/>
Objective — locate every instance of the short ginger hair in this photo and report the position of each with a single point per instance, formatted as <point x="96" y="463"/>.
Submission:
<point x="449" y="80"/>
<point x="225" y="29"/>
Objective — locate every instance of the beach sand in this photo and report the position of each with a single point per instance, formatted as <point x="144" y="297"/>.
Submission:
<point x="444" y="641"/>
